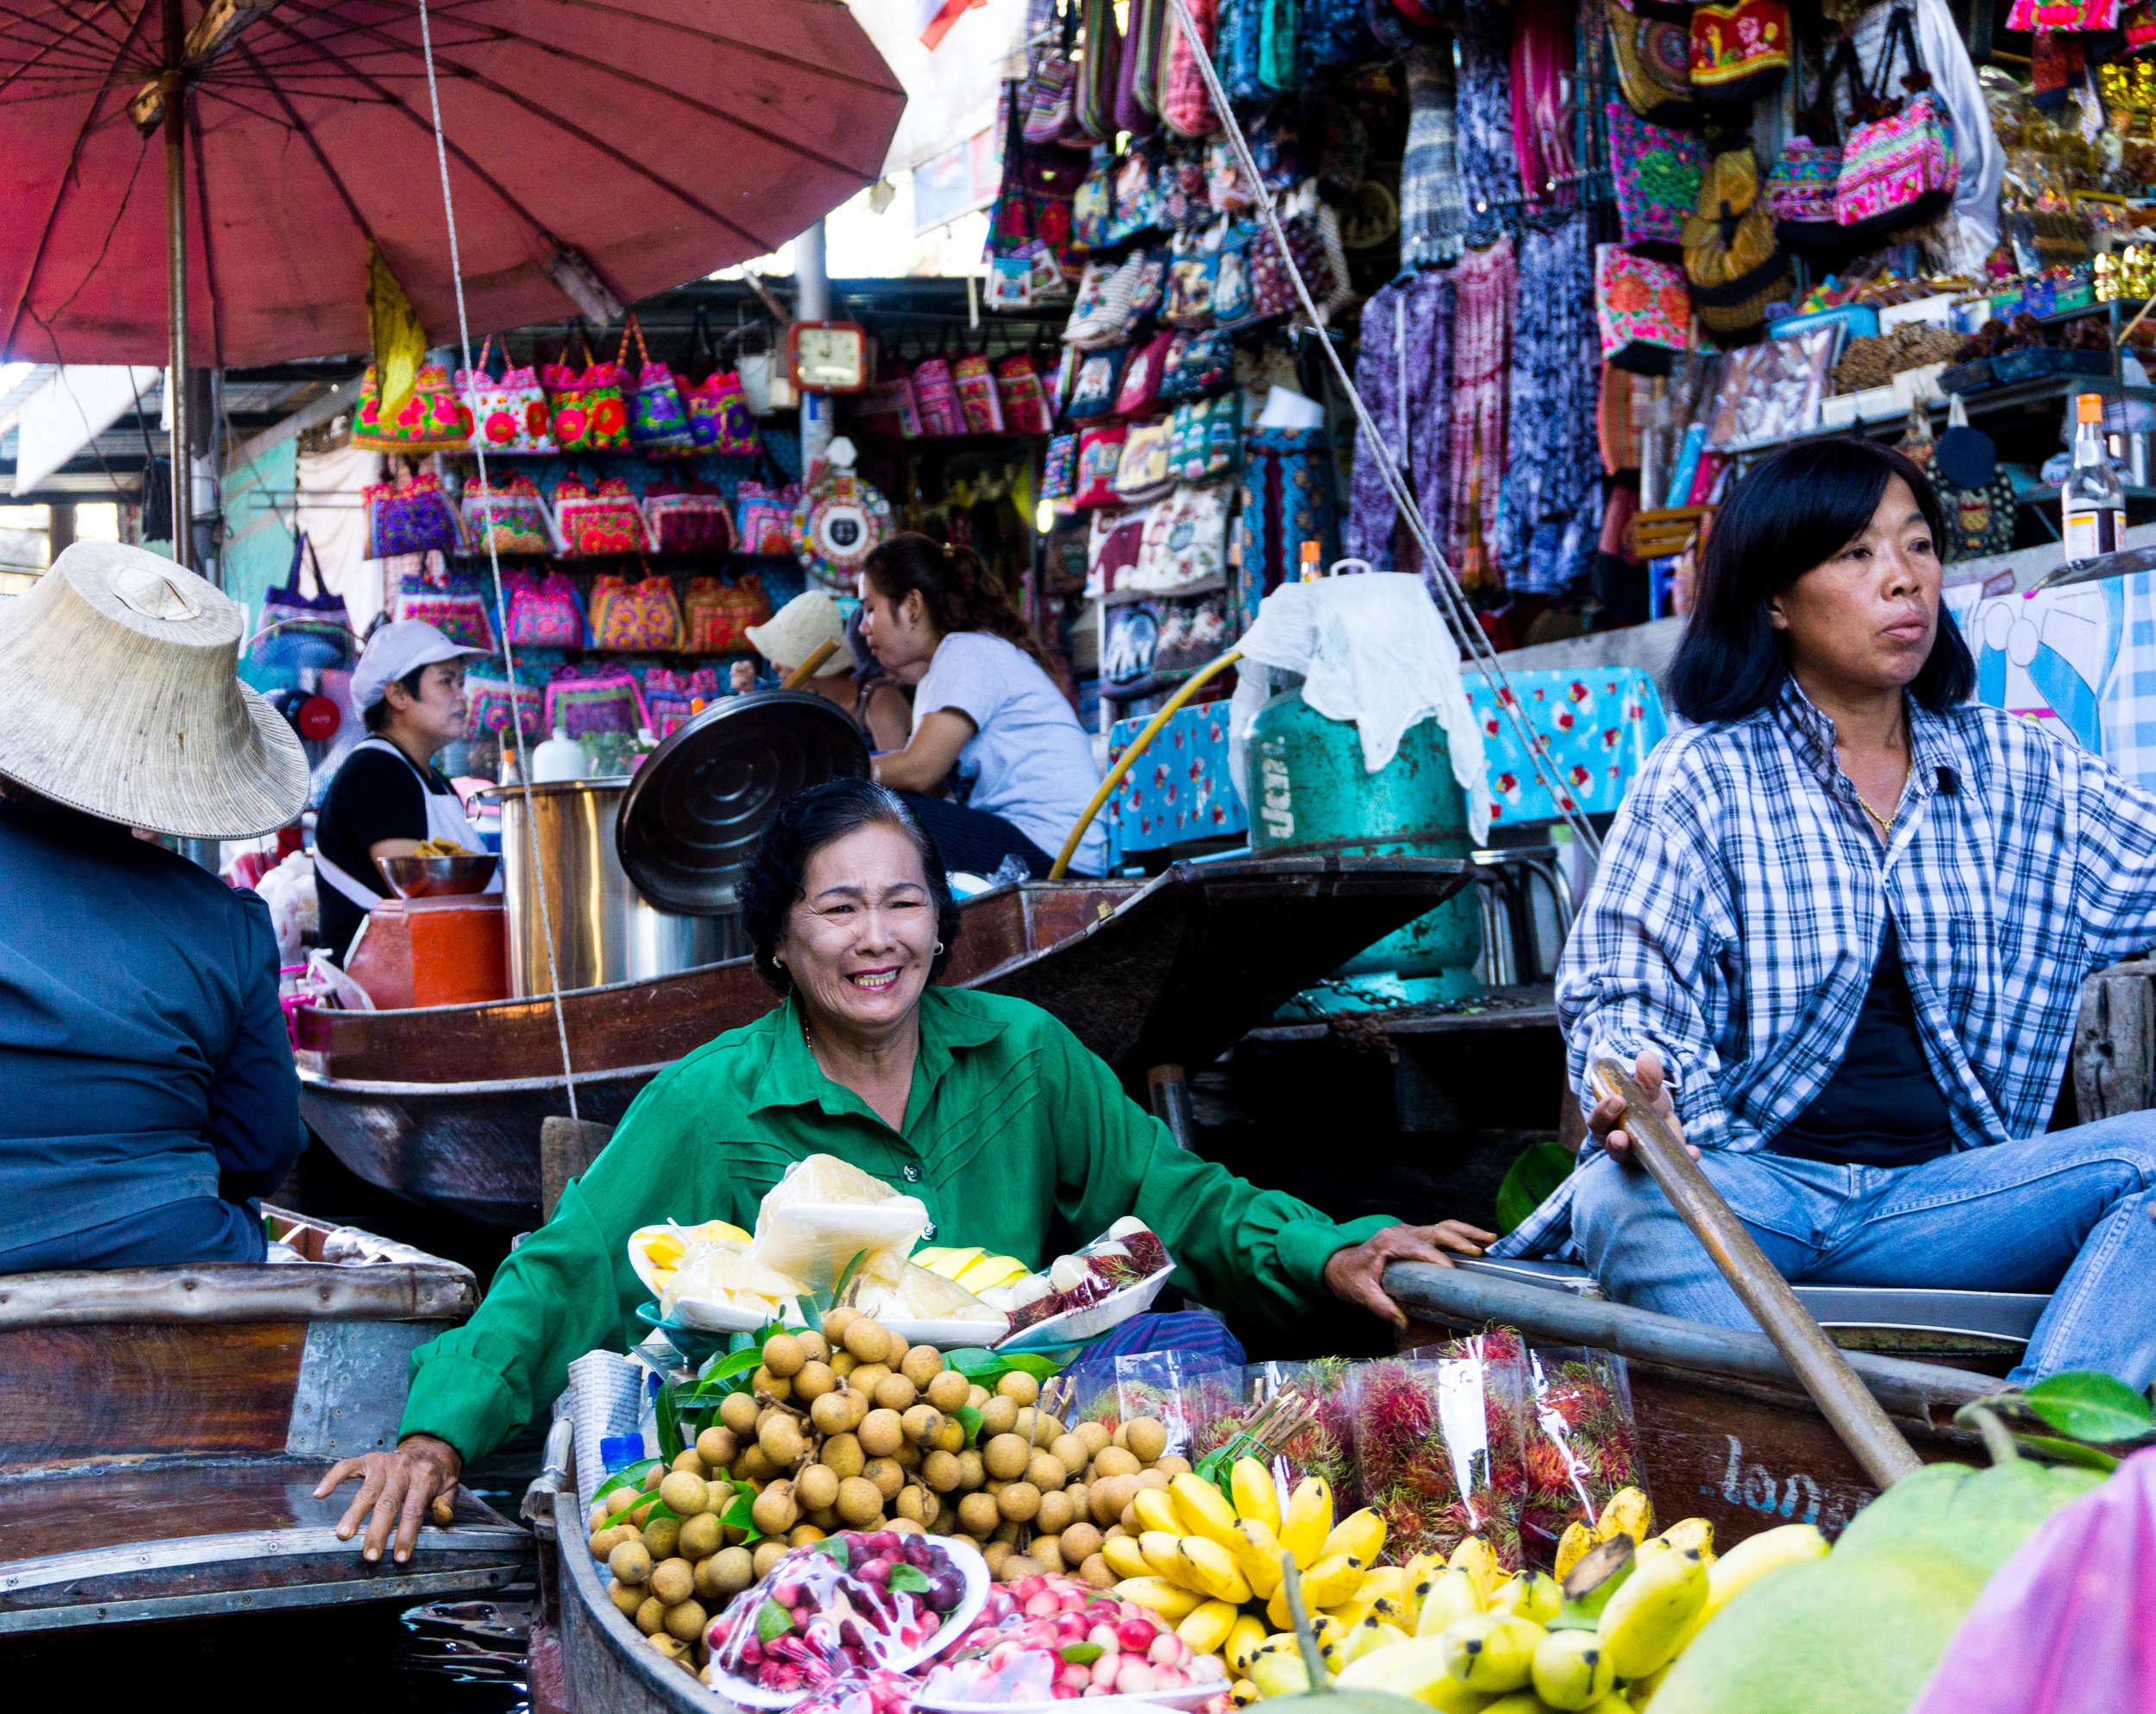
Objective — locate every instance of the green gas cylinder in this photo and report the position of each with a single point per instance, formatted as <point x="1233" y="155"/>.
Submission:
<point x="1312" y="795"/>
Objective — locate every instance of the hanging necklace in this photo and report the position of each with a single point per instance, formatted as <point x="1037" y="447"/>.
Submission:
<point x="1886" y="822"/>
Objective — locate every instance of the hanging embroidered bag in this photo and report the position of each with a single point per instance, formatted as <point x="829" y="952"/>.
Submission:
<point x="588" y="414"/>
<point x="977" y="396"/>
<point x="636" y="618"/>
<point x="1641" y="309"/>
<point x="506" y="516"/>
<point x="509" y="415"/>
<point x="545" y="613"/>
<point x="687" y="517"/>
<point x="1185" y="107"/>
<point x="1658" y="174"/>
<point x="450" y="603"/>
<point x="936" y="395"/>
<point x="1897" y="171"/>
<point x="582" y="702"/>
<point x="1740" y="50"/>
<point x="1097" y="70"/>
<point x="1024" y="403"/>
<point x="764" y="518"/>
<point x="1652" y="40"/>
<point x="1099" y="453"/>
<point x="1801" y="184"/>
<point x="490" y="702"/>
<point x="658" y="421"/>
<point x="433" y="419"/>
<point x="598" y="521"/>
<point x="411" y="516"/>
<point x="1141" y="471"/>
<point x="300" y="631"/>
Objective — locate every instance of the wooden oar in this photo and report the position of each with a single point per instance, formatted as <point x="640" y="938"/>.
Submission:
<point x="1850" y="1410"/>
<point x="802" y="673"/>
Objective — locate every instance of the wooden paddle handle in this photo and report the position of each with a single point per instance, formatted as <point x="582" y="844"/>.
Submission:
<point x="1850" y="1410"/>
<point x="802" y="673"/>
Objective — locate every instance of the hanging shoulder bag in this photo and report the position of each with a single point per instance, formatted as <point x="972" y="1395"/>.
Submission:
<point x="1897" y="171"/>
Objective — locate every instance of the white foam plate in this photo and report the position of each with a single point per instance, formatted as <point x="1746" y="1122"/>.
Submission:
<point x="965" y="1556"/>
<point x="1090" y="1323"/>
<point x="1194" y="1695"/>
<point x="949" y="1335"/>
<point x="713" y="1317"/>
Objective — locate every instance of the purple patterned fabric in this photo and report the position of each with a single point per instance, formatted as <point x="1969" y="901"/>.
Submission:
<point x="1548" y="515"/>
<point x="1207" y="1342"/>
<point x="1405" y="375"/>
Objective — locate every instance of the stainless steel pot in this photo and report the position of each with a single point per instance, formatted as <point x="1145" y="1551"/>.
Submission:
<point x="604" y="929"/>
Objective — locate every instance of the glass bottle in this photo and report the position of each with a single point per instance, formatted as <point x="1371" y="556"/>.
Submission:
<point x="2093" y="503"/>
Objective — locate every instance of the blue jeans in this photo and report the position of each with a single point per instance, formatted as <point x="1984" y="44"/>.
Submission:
<point x="199" y="1229"/>
<point x="2069" y="1213"/>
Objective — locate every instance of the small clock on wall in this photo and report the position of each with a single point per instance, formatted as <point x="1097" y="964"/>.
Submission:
<point x="829" y="357"/>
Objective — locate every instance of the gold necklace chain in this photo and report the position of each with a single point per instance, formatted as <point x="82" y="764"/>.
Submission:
<point x="1886" y="822"/>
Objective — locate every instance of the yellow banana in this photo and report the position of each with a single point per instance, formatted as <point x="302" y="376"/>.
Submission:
<point x="1520" y="1702"/>
<point x="1419" y="1574"/>
<point x="1652" y="1613"/>
<point x="1251" y="1487"/>
<point x="1492" y="1651"/>
<point x="1280" y="1674"/>
<point x="1203" y="1509"/>
<point x="1258" y="1551"/>
<point x="1691" y="1532"/>
<point x="1454" y="1595"/>
<point x="1330" y="1581"/>
<point x="1529" y="1595"/>
<point x="1474" y="1555"/>
<point x="1162" y="1559"/>
<point x="1413" y="1668"/>
<point x="1752" y="1558"/>
<point x="1572" y="1669"/>
<point x="1124" y="1557"/>
<point x="1242" y="1693"/>
<point x="1242" y="1639"/>
<point x="1172" y="1604"/>
<point x="1362" y="1533"/>
<point x="1206" y="1565"/>
<point x="1157" y="1511"/>
<point x="1572" y="1547"/>
<point x="1384" y="1582"/>
<point x="1628" y="1511"/>
<point x="1372" y="1633"/>
<point x="1306" y="1520"/>
<point x="1207" y="1627"/>
<point x="1637" y="1694"/>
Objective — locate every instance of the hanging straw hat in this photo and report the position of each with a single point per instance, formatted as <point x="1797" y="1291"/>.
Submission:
<point x="122" y="699"/>
<point x="791" y="636"/>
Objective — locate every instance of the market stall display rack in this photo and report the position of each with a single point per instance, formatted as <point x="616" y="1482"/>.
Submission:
<point x="444" y="1104"/>
<point x="201" y="1405"/>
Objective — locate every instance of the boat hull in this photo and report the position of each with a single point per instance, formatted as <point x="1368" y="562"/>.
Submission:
<point x="443" y="1105"/>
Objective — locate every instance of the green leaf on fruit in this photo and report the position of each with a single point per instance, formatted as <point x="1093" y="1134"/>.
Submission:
<point x="832" y="1548"/>
<point x="909" y="1580"/>
<point x="773" y="1621"/>
<point x="1082" y="1654"/>
<point x="629" y="1476"/>
<point x="2087" y="1405"/>
<point x="969" y="1420"/>
<point x="984" y="1367"/>
<point x="1539" y="1169"/>
<point x="742" y="1516"/>
<point x="2070" y="1452"/>
<point x="669" y="1408"/>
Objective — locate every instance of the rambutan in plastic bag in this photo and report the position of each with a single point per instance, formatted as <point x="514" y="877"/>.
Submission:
<point x="1580" y="1443"/>
<point x="1326" y="1446"/>
<point x="1438" y="1442"/>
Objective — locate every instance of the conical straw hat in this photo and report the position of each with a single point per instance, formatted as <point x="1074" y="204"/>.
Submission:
<point x="119" y="695"/>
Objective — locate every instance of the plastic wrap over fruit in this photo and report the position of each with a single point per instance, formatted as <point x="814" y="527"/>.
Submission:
<point x="1067" y="1640"/>
<point x="825" y="1212"/>
<point x="722" y="1275"/>
<point x="839" y="1609"/>
<point x="2067" y="1625"/>
<point x="877" y="1692"/>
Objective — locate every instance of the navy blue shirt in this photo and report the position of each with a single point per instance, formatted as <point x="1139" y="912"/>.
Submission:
<point x="143" y="1057"/>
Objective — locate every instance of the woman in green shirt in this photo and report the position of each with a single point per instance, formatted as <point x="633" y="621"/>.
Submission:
<point x="985" y="1107"/>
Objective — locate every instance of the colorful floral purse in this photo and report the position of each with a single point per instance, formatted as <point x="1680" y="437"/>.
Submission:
<point x="543" y="612"/>
<point x="451" y="604"/>
<point x="1801" y="184"/>
<point x="1897" y="171"/>
<point x="1658" y="174"/>
<point x="636" y="618"/>
<point x="1740" y="49"/>
<point x="1024" y="403"/>
<point x="1641" y="309"/>
<point x="581" y="701"/>
<point x="936" y="395"/>
<point x="888" y="407"/>
<point x="433" y="419"/>
<point x="719" y="614"/>
<point x="672" y="700"/>
<point x="688" y="518"/>
<point x="509" y="415"/>
<point x="978" y="399"/>
<point x="658" y="421"/>
<point x="596" y="522"/>
<point x="492" y="702"/>
<point x="585" y="402"/>
<point x="506" y="516"/>
<point x="764" y="518"/>
<point x="411" y="516"/>
<point x="1652" y="40"/>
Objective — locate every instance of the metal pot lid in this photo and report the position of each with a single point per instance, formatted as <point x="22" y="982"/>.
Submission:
<point x="694" y="810"/>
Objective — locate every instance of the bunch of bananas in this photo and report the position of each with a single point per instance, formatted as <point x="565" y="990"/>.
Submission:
<point x="1466" y="1637"/>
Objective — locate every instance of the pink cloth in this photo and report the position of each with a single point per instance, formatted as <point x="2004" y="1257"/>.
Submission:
<point x="1487" y="282"/>
<point x="1541" y="130"/>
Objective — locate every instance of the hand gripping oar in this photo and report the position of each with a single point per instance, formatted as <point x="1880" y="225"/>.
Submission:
<point x="802" y="673"/>
<point x="1851" y="1411"/>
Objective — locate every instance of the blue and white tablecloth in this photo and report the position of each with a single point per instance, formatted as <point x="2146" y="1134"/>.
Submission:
<point x="1596" y="727"/>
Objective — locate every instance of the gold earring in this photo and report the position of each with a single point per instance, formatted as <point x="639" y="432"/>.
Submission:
<point x="938" y="951"/>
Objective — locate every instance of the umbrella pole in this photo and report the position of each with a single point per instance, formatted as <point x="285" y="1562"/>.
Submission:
<point x="182" y="460"/>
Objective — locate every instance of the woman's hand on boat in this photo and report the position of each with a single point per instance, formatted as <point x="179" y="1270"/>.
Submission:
<point x="399" y="1488"/>
<point x="1609" y="1112"/>
<point x="1357" y="1273"/>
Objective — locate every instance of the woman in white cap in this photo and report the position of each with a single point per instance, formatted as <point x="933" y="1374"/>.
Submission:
<point x="848" y="678"/>
<point x="149" y="1082"/>
<point x="409" y="688"/>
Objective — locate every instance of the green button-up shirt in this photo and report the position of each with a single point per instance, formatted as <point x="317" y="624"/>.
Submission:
<point x="1012" y="1127"/>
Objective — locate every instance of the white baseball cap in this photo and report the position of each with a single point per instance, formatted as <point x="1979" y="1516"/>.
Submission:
<point x="397" y="649"/>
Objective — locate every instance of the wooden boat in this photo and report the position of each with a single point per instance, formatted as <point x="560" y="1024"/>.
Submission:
<point x="162" y="1431"/>
<point x="1726" y="1433"/>
<point x="443" y="1104"/>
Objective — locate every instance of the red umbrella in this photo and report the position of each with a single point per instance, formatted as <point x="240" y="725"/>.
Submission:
<point x="598" y="149"/>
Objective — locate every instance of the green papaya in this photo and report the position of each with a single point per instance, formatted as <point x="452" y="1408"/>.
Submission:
<point x="1855" y="1634"/>
<point x="1981" y="1516"/>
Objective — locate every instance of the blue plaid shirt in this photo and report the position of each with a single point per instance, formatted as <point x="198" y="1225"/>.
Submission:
<point x="1742" y="898"/>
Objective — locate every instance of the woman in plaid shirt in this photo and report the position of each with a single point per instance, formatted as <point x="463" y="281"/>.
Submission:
<point x="1841" y="927"/>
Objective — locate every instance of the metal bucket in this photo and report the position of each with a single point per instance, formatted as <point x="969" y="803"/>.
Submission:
<point x="604" y="929"/>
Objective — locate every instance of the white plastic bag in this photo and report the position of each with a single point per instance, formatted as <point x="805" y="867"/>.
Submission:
<point x="814" y="1222"/>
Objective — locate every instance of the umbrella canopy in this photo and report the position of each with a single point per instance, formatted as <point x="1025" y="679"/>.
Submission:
<point x="628" y="144"/>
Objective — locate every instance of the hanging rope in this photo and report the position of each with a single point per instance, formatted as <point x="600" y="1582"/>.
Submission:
<point x="1451" y="599"/>
<point x="494" y="564"/>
